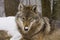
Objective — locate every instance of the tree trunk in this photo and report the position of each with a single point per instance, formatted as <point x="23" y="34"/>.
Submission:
<point x="56" y="10"/>
<point x="11" y="7"/>
<point x="46" y="8"/>
<point x="2" y="12"/>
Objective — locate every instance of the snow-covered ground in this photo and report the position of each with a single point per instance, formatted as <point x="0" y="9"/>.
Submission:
<point x="9" y="24"/>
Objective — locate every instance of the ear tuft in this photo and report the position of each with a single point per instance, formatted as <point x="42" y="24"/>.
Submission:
<point x="20" y="7"/>
<point x="34" y="8"/>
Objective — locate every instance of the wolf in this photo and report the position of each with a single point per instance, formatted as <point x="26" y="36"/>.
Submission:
<point x="4" y="35"/>
<point x="33" y="26"/>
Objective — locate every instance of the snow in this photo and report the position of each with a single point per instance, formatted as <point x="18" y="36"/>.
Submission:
<point x="9" y="24"/>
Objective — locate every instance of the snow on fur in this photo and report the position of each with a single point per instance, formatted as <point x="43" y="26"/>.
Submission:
<point x="9" y="24"/>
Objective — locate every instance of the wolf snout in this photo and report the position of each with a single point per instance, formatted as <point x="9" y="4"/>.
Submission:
<point x="26" y="28"/>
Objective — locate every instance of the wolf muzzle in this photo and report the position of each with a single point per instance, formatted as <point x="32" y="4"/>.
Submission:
<point x="26" y="28"/>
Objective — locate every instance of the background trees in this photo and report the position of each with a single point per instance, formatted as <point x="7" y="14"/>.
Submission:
<point x="56" y="10"/>
<point x="44" y="7"/>
<point x="11" y="7"/>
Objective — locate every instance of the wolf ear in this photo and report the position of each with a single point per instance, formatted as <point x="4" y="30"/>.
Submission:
<point x="20" y="7"/>
<point x="34" y="8"/>
<point x="47" y="25"/>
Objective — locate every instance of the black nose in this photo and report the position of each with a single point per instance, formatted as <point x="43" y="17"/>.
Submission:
<point x="26" y="28"/>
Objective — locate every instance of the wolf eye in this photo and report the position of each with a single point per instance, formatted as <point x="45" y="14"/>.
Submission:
<point x="23" y="18"/>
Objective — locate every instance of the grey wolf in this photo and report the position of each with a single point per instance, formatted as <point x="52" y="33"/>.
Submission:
<point x="32" y="26"/>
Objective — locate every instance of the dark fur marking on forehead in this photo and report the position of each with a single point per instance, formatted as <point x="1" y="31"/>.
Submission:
<point x="28" y="8"/>
<point x="27" y="11"/>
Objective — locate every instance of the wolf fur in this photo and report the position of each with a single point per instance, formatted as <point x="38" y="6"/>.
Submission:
<point x="4" y="35"/>
<point x="38" y="27"/>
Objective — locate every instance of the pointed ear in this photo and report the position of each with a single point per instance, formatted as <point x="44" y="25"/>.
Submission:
<point x="34" y="8"/>
<point x="47" y="25"/>
<point x="20" y="7"/>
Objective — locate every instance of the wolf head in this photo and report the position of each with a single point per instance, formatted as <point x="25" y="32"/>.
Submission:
<point x="28" y="20"/>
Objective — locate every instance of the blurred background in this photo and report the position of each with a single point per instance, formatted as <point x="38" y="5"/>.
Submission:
<point x="48" y="8"/>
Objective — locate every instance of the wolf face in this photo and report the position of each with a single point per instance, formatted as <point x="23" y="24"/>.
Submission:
<point x="27" y="17"/>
